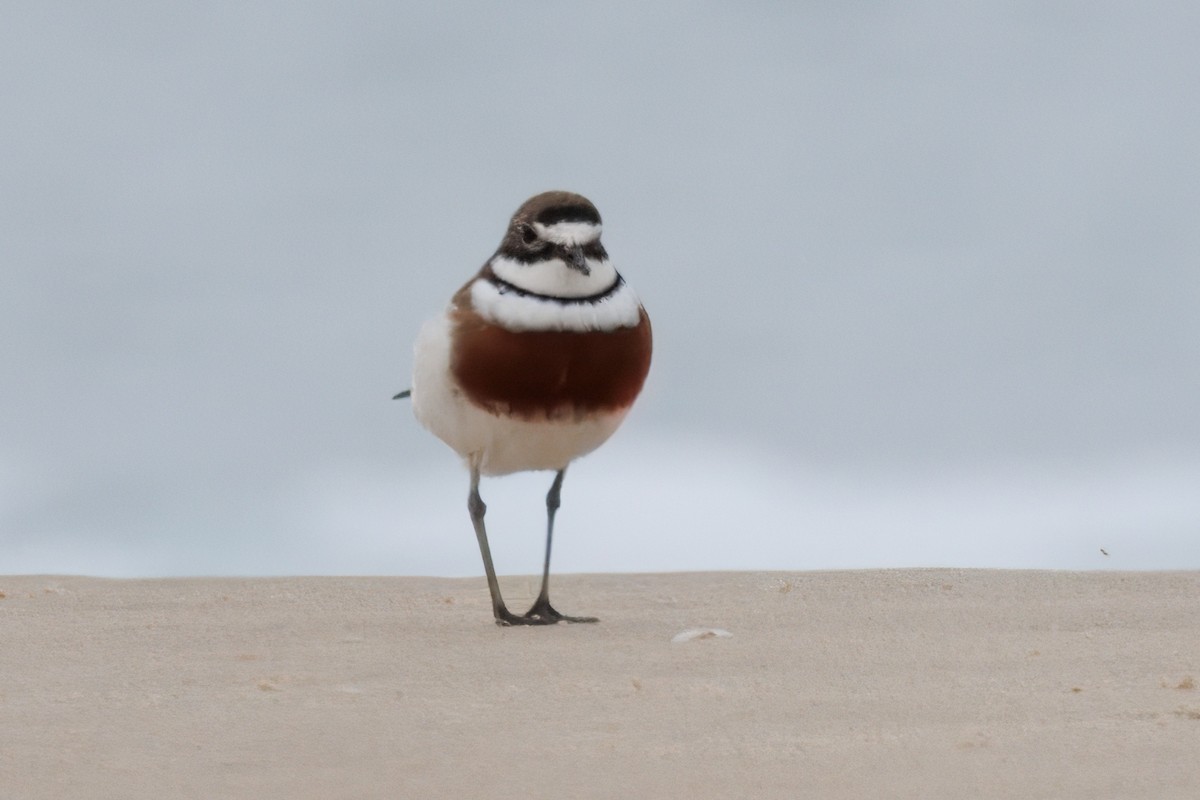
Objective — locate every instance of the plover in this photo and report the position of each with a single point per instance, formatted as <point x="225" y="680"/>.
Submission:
<point x="535" y="363"/>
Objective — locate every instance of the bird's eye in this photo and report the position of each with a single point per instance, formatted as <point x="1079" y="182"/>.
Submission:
<point x="528" y="234"/>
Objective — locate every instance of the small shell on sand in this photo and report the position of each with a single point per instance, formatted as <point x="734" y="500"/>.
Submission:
<point x="692" y="634"/>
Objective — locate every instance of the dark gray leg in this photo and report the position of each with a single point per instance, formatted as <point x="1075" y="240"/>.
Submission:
<point x="542" y="610"/>
<point x="477" y="508"/>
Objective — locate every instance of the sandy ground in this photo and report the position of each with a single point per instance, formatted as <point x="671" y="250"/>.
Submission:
<point x="877" y="684"/>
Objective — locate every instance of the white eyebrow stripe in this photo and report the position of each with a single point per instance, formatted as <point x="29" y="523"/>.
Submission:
<point x="569" y="233"/>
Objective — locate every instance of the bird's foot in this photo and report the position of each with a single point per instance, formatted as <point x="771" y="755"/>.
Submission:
<point x="545" y="614"/>
<point x="505" y="618"/>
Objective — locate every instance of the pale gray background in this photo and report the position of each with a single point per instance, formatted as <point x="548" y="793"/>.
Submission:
<point x="924" y="280"/>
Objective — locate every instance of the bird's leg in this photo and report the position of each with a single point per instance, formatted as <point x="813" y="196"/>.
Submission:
<point x="542" y="610"/>
<point x="477" y="508"/>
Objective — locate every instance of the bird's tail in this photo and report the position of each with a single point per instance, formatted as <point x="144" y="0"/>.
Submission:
<point x="402" y="395"/>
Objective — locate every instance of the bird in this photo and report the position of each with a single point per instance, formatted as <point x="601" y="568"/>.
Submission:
<point x="534" y="363"/>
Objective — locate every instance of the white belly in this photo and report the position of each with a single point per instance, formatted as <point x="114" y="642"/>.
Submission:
<point x="496" y="444"/>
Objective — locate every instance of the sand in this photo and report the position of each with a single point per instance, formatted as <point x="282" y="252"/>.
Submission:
<point x="873" y="684"/>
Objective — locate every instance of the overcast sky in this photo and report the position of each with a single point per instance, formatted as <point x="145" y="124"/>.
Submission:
<point x="925" y="280"/>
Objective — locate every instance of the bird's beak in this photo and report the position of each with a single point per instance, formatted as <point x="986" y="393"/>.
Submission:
<point x="577" y="261"/>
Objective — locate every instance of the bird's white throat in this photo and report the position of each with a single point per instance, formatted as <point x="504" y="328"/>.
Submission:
<point x="522" y="312"/>
<point x="554" y="278"/>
